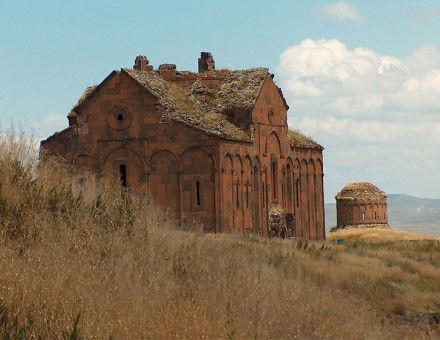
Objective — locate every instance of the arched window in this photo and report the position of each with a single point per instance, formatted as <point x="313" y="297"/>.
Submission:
<point x="362" y="216"/>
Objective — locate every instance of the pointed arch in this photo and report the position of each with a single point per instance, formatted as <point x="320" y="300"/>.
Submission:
<point x="227" y="161"/>
<point x="304" y="202"/>
<point x="164" y="180"/>
<point x="238" y="162"/>
<point x="86" y="162"/>
<point x="257" y="162"/>
<point x="312" y="199"/>
<point x="227" y="191"/>
<point x="198" y="186"/>
<point x="196" y="155"/>
<point x="238" y="193"/>
<point x="273" y="144"/>
<point x="247" y="192"/>
<point x="164" y="154"/>
<point x="128" y="165"/>
<point x="320" y="217"/>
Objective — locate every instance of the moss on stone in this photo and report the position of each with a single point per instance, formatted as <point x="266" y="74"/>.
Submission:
<point x="240" y="89"/>
<point x="295" y="137"/>
<point x="200" y="106"/>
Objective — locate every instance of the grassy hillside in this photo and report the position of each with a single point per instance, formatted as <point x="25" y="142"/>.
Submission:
<point x="81" y="259"/>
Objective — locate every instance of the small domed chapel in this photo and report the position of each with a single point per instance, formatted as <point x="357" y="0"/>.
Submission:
<point x="211" y="147"/>
<point x="361" y="205"/>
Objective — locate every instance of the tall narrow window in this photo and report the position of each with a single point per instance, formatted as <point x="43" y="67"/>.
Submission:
<point x="274" y="179"/>
<point x="247" y="194"/>
<point x="237" y="194"/>
<point x="282" y="191"/>
<point x="297" y="193"/>
<point x="198" y="196"/>
<point x="362" y="216"/>
<point x="123" y="174"/>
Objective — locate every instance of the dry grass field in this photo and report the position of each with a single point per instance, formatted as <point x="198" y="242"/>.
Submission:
<point x="79" y="259"/>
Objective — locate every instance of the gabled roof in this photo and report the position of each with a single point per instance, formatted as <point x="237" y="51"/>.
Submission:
<point x="204" y="107"/>
<point x="296" y="138"/>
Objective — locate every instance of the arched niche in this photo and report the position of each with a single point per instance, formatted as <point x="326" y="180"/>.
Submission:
<point x="227" y="192"/>
<point x="256" y="184"/>
<point x="273" y="144"/>
<point x="164" y="180"/>
<point x="238" y="193"/>
<point x="198" y="186"/>
<point x="247" y="192"/>
<point x="127" y="165"/>
<point x="85" y="162"/>
<point x="289" y="186"/>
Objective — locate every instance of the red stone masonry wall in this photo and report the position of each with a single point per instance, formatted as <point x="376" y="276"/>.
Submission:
<point x="361" y="212"/>
<point x="226" y="185"/>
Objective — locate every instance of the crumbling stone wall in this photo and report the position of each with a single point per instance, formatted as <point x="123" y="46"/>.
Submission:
<point x="281" y="223"/>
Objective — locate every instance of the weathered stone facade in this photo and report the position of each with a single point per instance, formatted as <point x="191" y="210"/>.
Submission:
<point x="361" y="205"/>
<point x="211" y="147"/>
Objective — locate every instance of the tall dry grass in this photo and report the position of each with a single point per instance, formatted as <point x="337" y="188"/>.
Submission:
<point x="81" y="259"/>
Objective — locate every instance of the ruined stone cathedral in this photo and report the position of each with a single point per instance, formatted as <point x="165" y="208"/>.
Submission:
<point x="211" y="147"/>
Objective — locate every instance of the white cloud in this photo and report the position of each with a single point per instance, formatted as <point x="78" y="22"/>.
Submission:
<point x="369" y="130"/>
<point x="50" y="124"/>
<point x="51" y="121"/>
<point x="378" y="116"/>
<point x="349" y="82"/>
<point x="340" y="10"/>
<point x="54" y="120"/>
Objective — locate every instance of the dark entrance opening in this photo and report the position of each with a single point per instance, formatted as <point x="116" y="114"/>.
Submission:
<point x="123" y="174"/>
<point x="198" y="198"/>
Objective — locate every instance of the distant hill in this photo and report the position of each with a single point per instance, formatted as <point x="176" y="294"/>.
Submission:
<point x="330" y="215"/>
<point x="405" y="212"/>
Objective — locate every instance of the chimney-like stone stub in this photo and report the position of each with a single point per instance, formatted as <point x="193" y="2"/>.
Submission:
<point x="167" y="70"/>
<point x="167" y="67"/>
<point x="206" y="62"/>
<point x="141" y="63"/>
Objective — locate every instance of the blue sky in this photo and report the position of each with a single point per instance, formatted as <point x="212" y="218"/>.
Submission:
<point x="362" y="77"/>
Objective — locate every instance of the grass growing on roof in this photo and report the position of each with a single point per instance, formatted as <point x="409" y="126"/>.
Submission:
<point x="297" y="137"/>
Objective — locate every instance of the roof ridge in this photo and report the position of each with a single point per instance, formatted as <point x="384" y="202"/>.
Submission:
<point x="178" y="105"/>
<point x="296" y="137"/>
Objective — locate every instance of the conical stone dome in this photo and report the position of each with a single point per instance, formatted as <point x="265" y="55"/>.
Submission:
<point x="360" y="191"/>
